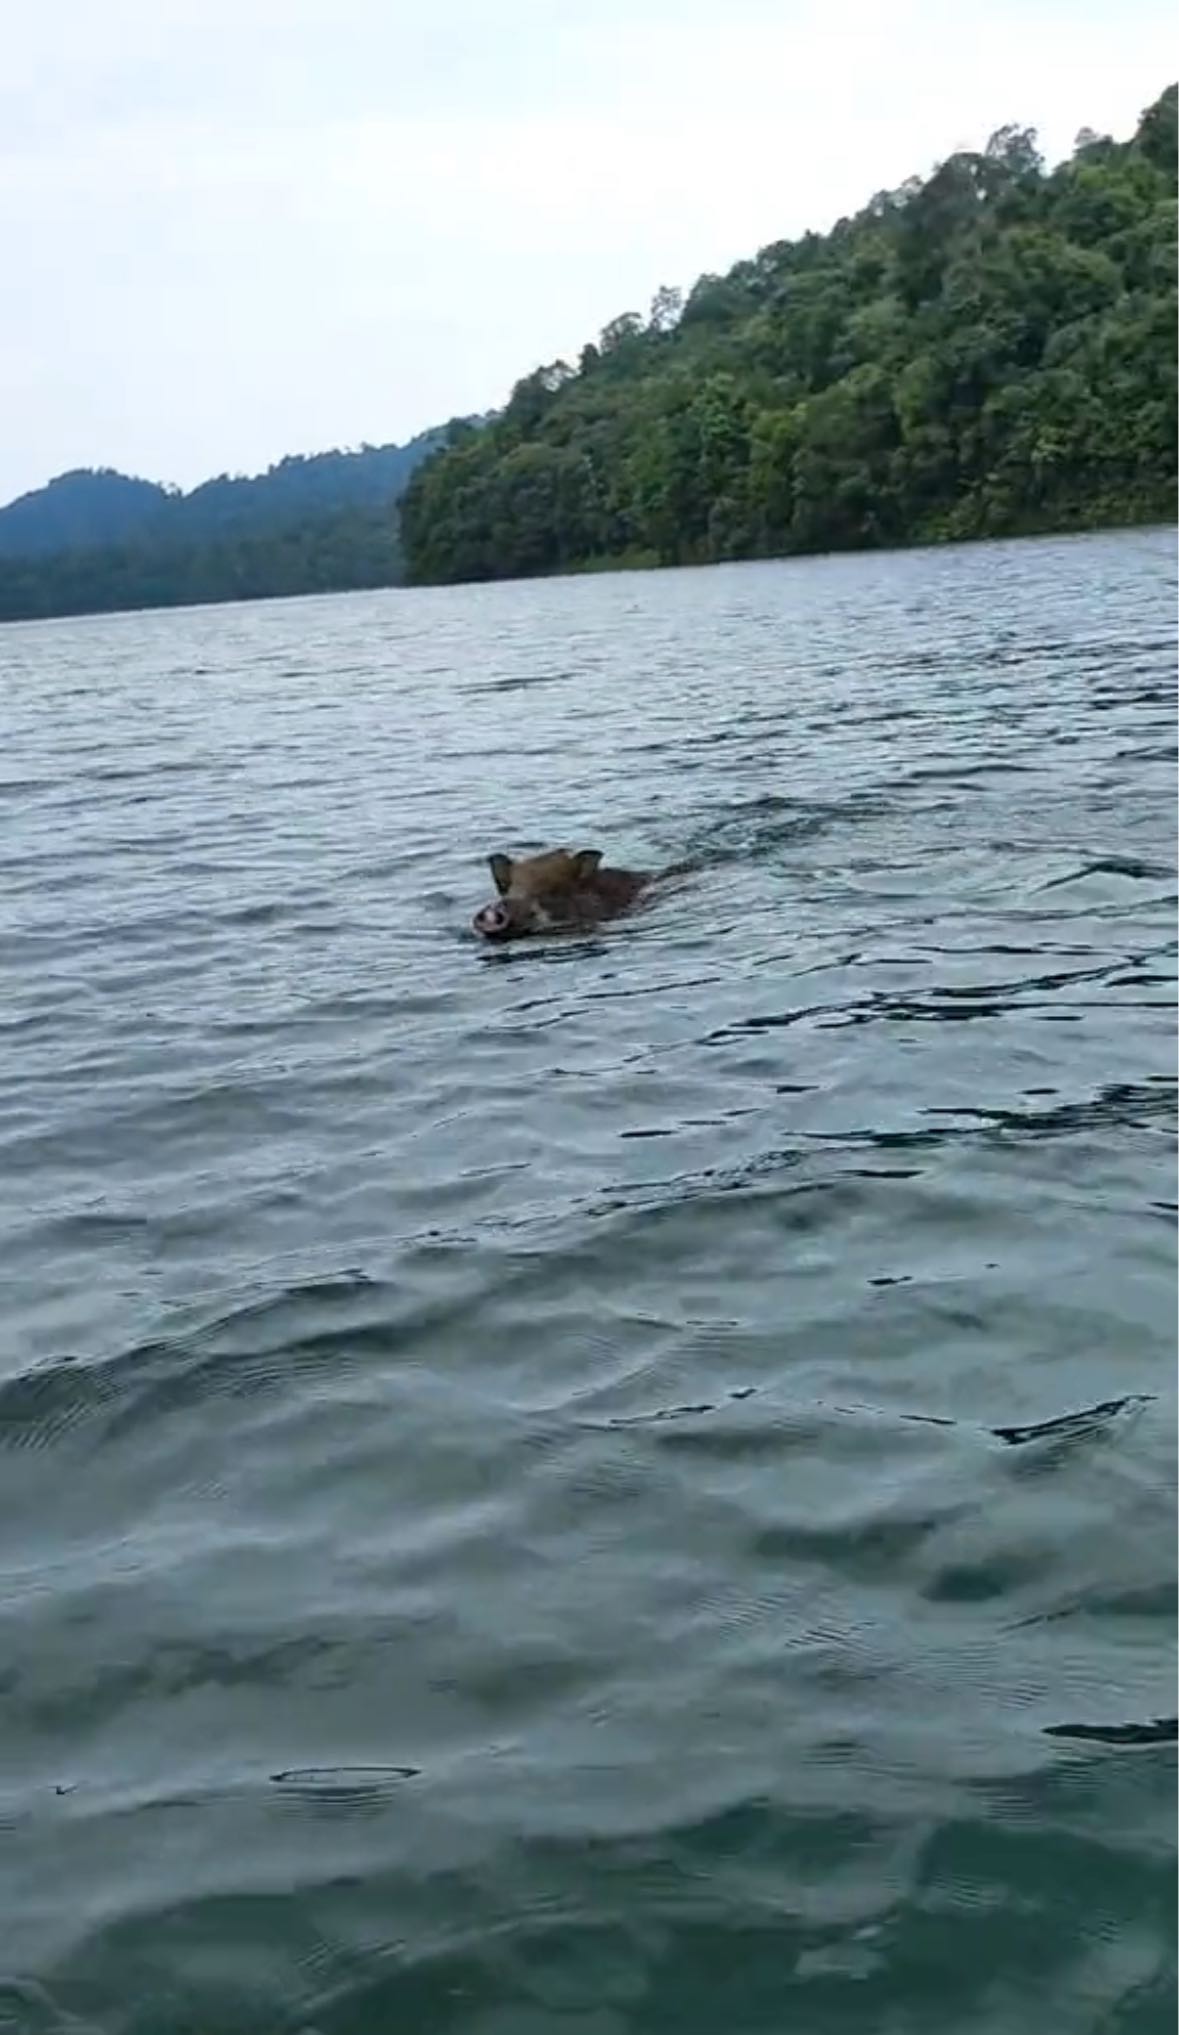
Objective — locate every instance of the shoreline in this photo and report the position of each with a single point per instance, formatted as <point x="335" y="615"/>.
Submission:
<point x="628" y="562"/>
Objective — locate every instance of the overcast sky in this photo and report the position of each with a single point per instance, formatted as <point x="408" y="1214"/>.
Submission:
<point x="232" y="229"/>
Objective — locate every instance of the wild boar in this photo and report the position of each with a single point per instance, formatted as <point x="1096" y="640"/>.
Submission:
<point x="556" y="892"/>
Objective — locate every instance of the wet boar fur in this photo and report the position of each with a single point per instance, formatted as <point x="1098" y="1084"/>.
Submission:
<point x="541" y="893"/>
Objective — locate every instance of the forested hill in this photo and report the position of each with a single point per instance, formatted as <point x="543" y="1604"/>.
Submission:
<point x="94" y="540"/>
<point x="989" y="351"/>
<point x="88" y="506"/>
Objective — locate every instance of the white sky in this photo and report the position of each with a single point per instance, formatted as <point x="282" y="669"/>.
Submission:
<point x="231" y="229"/>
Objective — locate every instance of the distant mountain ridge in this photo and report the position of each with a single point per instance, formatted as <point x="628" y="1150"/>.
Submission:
<point x="85" y="507"/>
<point x="93" y="508"/>
<point x="97" y="541"/>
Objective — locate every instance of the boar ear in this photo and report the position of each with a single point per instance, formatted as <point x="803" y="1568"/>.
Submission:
<point x="501" y="870"/>
<point x="586" y="861"/>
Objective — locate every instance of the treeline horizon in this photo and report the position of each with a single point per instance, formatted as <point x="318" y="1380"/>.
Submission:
<point x="987" y="352"/>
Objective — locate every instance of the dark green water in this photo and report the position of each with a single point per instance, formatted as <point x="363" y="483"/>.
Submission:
<point x="570" y="1491"/>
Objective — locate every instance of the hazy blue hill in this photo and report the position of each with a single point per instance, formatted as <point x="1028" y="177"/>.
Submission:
<point x="321" y="523"/>
<point x="79" y="509"/>
<point x="89" y="509"/>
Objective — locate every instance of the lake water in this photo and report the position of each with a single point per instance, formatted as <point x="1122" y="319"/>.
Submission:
<point x="572" y="1489"/>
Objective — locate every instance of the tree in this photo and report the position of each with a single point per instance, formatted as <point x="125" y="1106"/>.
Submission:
<point x="666" y="309"/>
<point x="1014" y="148"/>
<point x="620" y="333"/>
<point x="1158" y="134"/>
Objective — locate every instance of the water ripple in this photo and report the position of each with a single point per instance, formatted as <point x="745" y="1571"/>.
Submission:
<point x="583" y="1486"/>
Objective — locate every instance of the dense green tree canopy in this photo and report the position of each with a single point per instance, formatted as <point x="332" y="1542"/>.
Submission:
<point x="990" y="351"/>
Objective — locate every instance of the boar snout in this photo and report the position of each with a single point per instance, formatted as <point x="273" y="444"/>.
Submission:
<point x="493" y="921"/>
